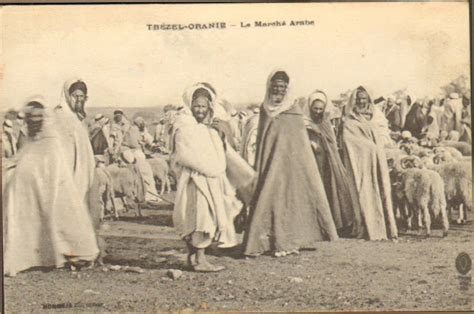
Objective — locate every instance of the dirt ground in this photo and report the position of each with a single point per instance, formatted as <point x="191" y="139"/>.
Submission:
<point x="413" y="274"/>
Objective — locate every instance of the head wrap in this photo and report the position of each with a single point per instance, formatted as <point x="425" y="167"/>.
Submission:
<point x="201" y="89"/>
<point x="118" y="111"/>
<point x="65" y="100"/>
<point x="282" y="76"/>
<point x="406" y="134"/>
<point x="271" y="109"/>
<point x="139" y="121"/>
<point x="78" y="85"/>
<point x="21" y="115"/>
<point x="316" y="95"/>
<point x="352" y="101"/>
<point x="202" y="92"/>
<point x="98" y="116"/>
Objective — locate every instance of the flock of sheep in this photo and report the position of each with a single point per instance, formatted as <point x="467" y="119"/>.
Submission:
<point x="430" y="183"/>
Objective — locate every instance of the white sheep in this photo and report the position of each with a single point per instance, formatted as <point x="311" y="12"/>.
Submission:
<point x="420" y="194"/>
<point x="457" y="178"/>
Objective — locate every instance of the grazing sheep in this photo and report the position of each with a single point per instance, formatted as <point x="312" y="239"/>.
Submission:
<point x="161" y="171"/>
<point x="128" y="185"/>
<point x="101" y="194"/>
<point x="457" y="178"/>
<point x="420" y="193"/>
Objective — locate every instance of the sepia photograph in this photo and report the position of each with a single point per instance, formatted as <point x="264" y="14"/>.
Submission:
<point x="236" y="157"/>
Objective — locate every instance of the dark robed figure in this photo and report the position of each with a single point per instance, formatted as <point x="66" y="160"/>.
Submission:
<point x="289" y="210"/>
<point x="342" y="196"/>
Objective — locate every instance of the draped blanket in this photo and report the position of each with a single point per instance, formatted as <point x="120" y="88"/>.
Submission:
<point x="205" y="200"/>
<point x="76" y="144"/>
<point x="290" y="209"/>
<point x="45" y="216"/>
<point x="365" y="161"/>
<point x="342" y="196"/>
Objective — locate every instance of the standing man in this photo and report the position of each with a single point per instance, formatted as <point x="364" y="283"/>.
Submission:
<point x="132" y="142"/>
<point x="290" y="209"/>
<point x="119" y="127"/>
<point x="453" y="112"/>
<point x="70" y="115"/>
<point x="342" y="196"/>
<point x="47" y="223"/>
<point x="393" y="114"/>
<point x="366" y="164"/>
<point x="205" y="200"/>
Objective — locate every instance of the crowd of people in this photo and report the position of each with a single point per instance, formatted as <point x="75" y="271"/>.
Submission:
<point x="287" y="174"/>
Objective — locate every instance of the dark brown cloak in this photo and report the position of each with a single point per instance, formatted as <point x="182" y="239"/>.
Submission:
<point x="290" y="209"/>
<point x="342" y="197"/>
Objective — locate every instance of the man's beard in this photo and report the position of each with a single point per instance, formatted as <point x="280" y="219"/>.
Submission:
<point x="277" y="98"/>
<point x="317" y="117"/>
<point x="78" y="107"/>
<point x="200" y="118"/>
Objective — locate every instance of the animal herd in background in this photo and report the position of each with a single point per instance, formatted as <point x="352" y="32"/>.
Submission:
<point x="430" y="182"/>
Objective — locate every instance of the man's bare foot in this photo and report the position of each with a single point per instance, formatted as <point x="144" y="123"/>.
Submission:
<point x="207" y="267"/>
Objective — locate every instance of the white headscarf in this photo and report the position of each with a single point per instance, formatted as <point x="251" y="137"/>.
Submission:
<point x="65" y="100"/>
<point x="189" y="92"/>
<point x="352" y="100"/>
<point x="216" y="108"/>
<point x="286" y="103"/>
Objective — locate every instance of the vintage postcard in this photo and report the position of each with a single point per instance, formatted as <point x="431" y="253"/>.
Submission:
<point x="237" y="157"/>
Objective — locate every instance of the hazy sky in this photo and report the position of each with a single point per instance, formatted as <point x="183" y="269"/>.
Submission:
<point x="386" y="46"/>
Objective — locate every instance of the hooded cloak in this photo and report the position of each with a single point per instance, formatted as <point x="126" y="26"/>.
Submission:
<point x="290" y="209"/>
<point x="75" y="142"/>
<point x="365" y="161"/>
<point x="45" y="218"/>
<point x="342" y="196"/>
